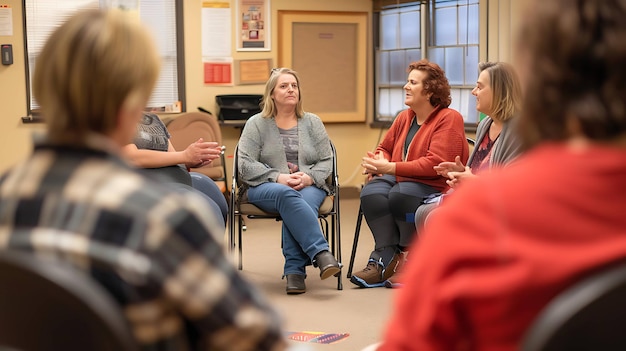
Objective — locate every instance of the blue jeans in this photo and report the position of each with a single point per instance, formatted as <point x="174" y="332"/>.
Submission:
<point x="215" y="208"/>
<point x="207" y="186"/>
<point x="302" y="237"/>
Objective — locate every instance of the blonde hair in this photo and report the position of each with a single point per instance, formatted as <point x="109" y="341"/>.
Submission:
<point x="92" y="67"/>
<point x="506" y="90"/>
<point x="267" y="104"/>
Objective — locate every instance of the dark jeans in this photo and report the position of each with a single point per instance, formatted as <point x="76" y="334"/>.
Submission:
<point x="389" y="209"/>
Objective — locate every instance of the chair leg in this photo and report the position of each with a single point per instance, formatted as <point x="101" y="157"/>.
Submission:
<point x="239" y="228"/>
<point x="331" y="233"/>
<point x="337" y="235"/>
<point x="336" y="225"/>
<point x="357" y="232"/>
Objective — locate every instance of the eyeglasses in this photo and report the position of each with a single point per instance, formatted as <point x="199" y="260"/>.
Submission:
<point x="275" y="70"/>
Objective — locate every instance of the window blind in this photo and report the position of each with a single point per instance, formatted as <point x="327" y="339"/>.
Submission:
<point x="42" y="17"/>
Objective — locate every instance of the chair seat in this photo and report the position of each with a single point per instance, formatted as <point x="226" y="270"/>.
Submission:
<point x="252" y="210"/>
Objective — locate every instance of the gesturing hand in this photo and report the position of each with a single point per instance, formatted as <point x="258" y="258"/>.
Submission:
<point x="444" y="168"/>
<point x="201" y="153"/>
<point x="376" y="164"/>
<point x="457" y="177"/>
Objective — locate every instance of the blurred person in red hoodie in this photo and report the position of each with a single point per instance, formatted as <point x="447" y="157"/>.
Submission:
<point x="508" y="242"/>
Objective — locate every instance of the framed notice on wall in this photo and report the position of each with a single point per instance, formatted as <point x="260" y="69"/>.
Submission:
<point x="253" y="71"/>
<point x="253" y="25"/>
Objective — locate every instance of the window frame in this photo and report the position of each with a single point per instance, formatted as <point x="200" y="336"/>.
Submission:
<point x="427" y="40"/>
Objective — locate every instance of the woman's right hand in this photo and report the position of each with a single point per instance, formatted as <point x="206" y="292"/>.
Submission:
<point x="201" y="153"/>
<point x="444" y="168"/>
<point x="457" y="178"/>
<point x="375" y="164"/>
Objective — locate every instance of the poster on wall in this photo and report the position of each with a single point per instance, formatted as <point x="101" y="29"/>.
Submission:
<point x="253" y="25"/>
<point x="216" y="29"/>
<point x="218" y="71"/>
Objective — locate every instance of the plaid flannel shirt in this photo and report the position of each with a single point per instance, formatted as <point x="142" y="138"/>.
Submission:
<point x="156" y="250"/>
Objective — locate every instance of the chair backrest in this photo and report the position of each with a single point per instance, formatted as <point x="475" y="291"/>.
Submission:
<point x="589" y="315"/>
<point x="191" y="126"/>
<point x="48" y="306"/>
<point x="471" y="143"/>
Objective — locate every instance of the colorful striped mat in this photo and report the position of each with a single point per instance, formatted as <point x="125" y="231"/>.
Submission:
<point x="316" y="337"/>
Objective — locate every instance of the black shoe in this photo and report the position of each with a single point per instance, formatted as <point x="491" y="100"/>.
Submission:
<point x="327" y="264"/>
<point x="295" y="284"/>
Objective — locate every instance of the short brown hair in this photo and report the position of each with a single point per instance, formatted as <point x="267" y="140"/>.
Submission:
<point x="576" y="54"/>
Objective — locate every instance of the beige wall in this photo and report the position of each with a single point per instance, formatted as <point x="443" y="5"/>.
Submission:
<point x="15" y="141"/>
<point x="351" y="139"/>
<point x="499" y="31"/>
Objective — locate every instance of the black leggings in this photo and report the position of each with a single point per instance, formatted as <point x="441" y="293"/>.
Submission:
<point x="389" y="209"/>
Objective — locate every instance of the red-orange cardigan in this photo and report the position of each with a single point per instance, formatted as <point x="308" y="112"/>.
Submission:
<point x="440" y="138"/>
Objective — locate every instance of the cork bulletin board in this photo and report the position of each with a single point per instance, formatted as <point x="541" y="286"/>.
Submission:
<point x="328" y="50"/>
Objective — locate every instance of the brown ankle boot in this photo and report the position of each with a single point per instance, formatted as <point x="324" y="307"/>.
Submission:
<point x="395" y="278"/>
<point x="295" y="284"/>
<point x="327" y="264"/>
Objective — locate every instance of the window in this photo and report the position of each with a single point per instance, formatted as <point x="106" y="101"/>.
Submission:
<point x="163" y="17"/>
<point x="444" y="32"/>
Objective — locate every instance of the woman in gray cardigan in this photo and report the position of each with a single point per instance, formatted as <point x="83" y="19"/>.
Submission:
<point x="498" y="95"/>
<point x="284" y="159"/>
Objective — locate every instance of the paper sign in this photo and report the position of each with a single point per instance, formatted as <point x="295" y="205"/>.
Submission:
<point x="6" y="20"/>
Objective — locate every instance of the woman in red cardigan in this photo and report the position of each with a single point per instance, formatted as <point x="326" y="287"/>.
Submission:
<point x="400" y="171"/>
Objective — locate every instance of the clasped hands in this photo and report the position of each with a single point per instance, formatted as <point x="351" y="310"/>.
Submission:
<point x="202" y="153"/>
<point x="376" y="164"/>
<point x="296" y="180"/>
<point x="454" y="171"/>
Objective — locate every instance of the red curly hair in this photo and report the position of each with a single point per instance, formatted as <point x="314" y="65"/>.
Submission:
<point x="436" y="82"/>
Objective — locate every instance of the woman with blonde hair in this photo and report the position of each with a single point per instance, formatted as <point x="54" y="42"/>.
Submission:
<point x="498" y="95"/>
<point x="284" y="159"/>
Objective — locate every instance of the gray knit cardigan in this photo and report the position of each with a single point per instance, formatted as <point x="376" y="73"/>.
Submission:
<point x="261" y="154"/>
<point x="506" y="147"/>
